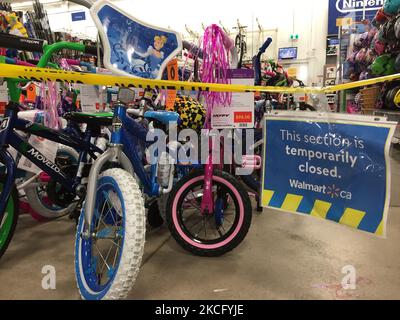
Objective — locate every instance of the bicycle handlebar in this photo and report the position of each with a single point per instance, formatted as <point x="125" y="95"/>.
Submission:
<point x="20" y="43"/>
<point x="192" y="48"/>
<point x="257" y="61"/>
<point x="265" y="46"/>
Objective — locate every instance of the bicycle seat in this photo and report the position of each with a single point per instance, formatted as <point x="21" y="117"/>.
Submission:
<point x="164" y="117"/>
<point x="91" y="119"/>
<point x="132" y="47"/>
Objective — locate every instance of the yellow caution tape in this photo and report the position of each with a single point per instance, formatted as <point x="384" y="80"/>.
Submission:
<point x="363" y="83"/>
<point x="42" y="74"/>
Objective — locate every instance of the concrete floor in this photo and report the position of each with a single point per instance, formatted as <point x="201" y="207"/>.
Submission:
<point x="284" y="257"/>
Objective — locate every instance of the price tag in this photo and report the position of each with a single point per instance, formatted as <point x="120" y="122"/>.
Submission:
<point x="89" y="98"/>
<point x="3" y="93"/>
<point x="3" y="97"/>
<point x="241" y="112"/>
<point x="173" y="74"/>
<point x="342" y="22"/>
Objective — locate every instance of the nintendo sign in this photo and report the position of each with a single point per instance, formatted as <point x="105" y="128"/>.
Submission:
<point x="351" y="9"/>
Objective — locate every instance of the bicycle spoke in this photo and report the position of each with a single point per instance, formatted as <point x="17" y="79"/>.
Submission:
<point x="110" y="207"/>
<point x="101" y="256"/>
<point x="108" y="254"/>
<point x="116" y="253"/>
<point x="201" y="227"/>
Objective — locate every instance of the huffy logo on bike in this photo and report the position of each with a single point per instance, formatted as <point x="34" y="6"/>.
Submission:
<point x="347" y="6"/>
<point x="4" y="124"/>
<point x="226" y="115"/>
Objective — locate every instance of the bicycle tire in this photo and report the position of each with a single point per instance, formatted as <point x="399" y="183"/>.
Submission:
<point x="237" y="232"/>
<point x="131" y="233"/>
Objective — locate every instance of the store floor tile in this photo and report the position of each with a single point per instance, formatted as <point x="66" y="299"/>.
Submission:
<point x="285" y="256"/>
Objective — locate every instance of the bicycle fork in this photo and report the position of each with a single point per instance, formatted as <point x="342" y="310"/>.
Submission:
<point x="112" y="154"/>
<point x="207" y="202"/>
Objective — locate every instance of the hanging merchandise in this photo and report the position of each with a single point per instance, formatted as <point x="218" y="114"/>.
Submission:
<point x="391" y="7"/>
<point x="216" y="47"/>
<point x="39" y="21"/>
<point x="15" y="25"/>
<point x="372" y="51"/>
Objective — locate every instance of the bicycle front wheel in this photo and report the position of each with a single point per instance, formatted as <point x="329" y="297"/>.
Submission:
<point x="108" y="261"/>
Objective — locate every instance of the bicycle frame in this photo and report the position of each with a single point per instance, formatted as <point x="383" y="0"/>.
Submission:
<point x="131" y="133"/>
<point x="9" y="137"/>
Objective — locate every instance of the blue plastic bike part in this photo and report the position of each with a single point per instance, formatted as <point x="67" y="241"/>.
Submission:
<point x="132" y="47"/>
<point x="219" y="212"/>
<point x="165" y="117"/>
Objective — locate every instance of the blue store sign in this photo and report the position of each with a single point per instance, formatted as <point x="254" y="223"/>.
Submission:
<point x="338" y="170"/>
<point x="78" y="16"/>
<point x="351" y="8"/>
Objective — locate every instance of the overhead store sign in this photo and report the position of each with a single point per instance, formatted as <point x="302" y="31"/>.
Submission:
<point x="351" y="9"/>
<point x="346" y="6"/>
<point x="333" y="168"/>
<point x="78" y="16"/>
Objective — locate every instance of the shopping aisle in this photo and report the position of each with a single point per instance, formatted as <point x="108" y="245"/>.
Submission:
<point x="283" y="257"/>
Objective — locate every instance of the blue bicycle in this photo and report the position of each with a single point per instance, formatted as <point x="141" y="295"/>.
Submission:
<point x="110" y="236"/>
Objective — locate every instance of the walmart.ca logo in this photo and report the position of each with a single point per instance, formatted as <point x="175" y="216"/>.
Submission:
<point x="347" y="6"/>
<point x="333" y="191"/>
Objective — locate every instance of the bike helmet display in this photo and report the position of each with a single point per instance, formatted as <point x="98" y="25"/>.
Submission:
<point x="363" y="75"/>
<point x="361" y="40"/>
<point x="389" y="30"/>
<point x="396" y="99"/>
<point x="381" y="65"/>
<point x="397" y="28"/>
<point x="352" y="57"/>
<point x="370" y="56"/>
<point x="397" y="63"/>
<point x="379" y="47"/>
<point x="361" y="56"/>
<point x="392" y="99"/>
<point x="380" y="17"/>
<point x="191" y="112"/>
<point x="391" y="7"/>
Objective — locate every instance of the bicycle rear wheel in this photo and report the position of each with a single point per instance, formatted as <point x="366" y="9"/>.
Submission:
<point x="42" y="208"/>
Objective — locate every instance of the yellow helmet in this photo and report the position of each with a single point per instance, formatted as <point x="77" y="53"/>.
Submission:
<point x="396" y="99"/>
<point x="192" y="113"/>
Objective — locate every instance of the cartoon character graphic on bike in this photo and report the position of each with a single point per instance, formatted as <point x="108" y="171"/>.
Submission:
<point x="154" y="55"/>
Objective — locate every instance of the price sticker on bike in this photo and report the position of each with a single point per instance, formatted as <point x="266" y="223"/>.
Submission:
<point x="335" y="168"/>
<point x="240" y="114"/>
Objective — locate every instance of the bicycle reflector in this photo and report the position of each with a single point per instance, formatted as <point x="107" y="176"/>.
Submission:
<point x="126" y="95"/>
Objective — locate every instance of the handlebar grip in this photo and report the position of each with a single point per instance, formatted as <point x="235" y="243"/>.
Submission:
<point x="20" y="43"/>
<point x="192" y="48"/>
<point x="266" y="45"/>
